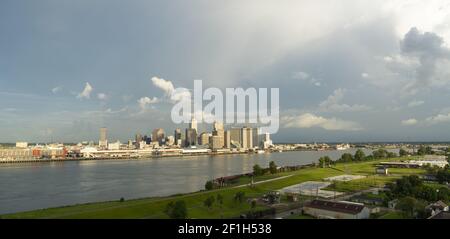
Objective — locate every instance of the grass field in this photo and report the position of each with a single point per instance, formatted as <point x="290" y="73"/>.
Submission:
<point x="393" y="215"/>
<point x="299" y="216"/>
<point x="154" y="207"/>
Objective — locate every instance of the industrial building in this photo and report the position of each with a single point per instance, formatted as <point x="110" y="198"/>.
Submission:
<point x="336" y="210"/>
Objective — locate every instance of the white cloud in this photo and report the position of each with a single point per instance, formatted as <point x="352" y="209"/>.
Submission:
<point x="164" y="85"/>
<point x="300" y="75"/>
<point x="409" y="122"/>
<point x="303" y="76"/>
<point x="86" y="93"/>
<point x="174" y="95"/>
<point x="309" y="120"/>
<point x="56" y="89"/>
<point x="415" y="103"/>
<point x="145" y="101"/>
<point x="365" y="75"/>
<point x="440" y="118"/>
<point x="102" y="96"/>
<point x="332" y="103"/>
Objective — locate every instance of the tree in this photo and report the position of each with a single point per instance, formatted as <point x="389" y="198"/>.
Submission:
<point x="443" y="176"/>
<point x="177" y="210"/>
<point x="209" y="202"/>
<point x="325" y="161"/>
<point x="403" y="152"/>
<point x="253" y="205"/>
<point x="359" y="155"/>
<point x="427" y="193"/>
<point x="346" y="157"/>
<point x="219" y="199"/>
<point x="209" y="185"/>
<point x="424" y="150"/>
<point x="273" y="167"/>
<point x="407" y="205"/>
<point x="257" y="170"/>
<point x="239" y="197"/>
<point x="391" y="155"/>
<point x="380" y="153"/>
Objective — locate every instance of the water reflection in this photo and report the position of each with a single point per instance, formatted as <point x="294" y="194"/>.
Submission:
<point x="41" y="185"/>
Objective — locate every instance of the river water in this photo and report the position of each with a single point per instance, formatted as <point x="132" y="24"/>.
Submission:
<point x="41" y="185"/>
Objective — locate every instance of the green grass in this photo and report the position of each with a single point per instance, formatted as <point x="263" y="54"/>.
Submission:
<point x="154" y="207"/>
<point x="393" y="215"/>
<point x="299" y="216"/>
<point x="360" y="184"/>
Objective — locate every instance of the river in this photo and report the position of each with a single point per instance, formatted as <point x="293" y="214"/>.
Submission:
<point x="32" y="186"/>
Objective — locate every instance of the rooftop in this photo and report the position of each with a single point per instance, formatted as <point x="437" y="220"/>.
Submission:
<point x="343" y="207"/>
<point x="441" y="215"/>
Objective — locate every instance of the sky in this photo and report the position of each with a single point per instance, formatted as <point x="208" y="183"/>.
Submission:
<point x="354" y="70"/>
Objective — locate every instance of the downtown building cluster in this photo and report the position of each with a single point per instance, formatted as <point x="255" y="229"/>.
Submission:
<point x="190" y="141"/>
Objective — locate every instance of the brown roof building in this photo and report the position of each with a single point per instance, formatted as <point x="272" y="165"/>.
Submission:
<point x="336" y="210"/>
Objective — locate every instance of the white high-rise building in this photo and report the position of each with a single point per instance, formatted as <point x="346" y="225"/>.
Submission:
<point x="267" y="141"/>
<point x="247" y="138"/>
<point x="218" y="131"/>
<point x="103" y="142"/>
<point x="193" y="124"/>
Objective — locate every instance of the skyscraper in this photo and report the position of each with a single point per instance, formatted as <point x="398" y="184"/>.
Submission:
<point x="246" y="138"/>
<point x="218" y="131"/>
<point x="235" y="137"/>
<point x="177" y="135"/>
<point x="267" y="142"/>
<point x="227" y="139"/>
<point x="193" y="124"/>
<point x="255" y="140"/>
<point x="158" y="136"/>
<point x="103" y="142"/>
<point x="191" y="137"/>
<point x="203" y="139"/>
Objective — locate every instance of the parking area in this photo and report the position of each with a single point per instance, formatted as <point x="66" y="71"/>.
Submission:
<point x="344" y="178"/>
<point x="311" y="188"/>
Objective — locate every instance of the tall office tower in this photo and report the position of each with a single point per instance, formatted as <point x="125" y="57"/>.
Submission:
<point x="138" y="138"/>
<point x="193" y="124"/>
<point x="177" y="136"/>
<point x="203" y="139"/>
<point x="158" y="136"/>
<point x="255" y="139"/>
<point x="191" y="137"/>
<point x="227" y="139"/>
<point x="267" y="142"/>
<point x="235" y="137"/>
<point x="218" y="131"/>
<point x="170" y="140"/>
<point x="103" y="142"/>
<point x="215" y="142"/>
<point x="147" y="139"/>
<point x="246" y="138"/>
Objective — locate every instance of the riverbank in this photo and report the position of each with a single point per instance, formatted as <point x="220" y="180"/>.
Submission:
<point x="120" y="158"/>
<point x="49" y="160"/>
<point x="154" y="207"/>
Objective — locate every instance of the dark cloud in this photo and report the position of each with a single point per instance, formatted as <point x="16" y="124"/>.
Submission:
<point x="429" y="49"/>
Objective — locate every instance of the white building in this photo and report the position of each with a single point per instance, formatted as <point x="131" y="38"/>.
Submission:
<point x="114" y="146"/>
<point x="22" y="145"/>
<point x="267" y="143"/>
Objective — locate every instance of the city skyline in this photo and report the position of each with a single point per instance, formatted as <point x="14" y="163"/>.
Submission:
<point x="367" y="72"/>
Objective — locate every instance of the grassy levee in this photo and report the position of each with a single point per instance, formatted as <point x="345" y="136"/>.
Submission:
<point x="154" y="207"/>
